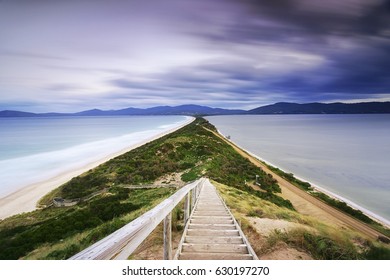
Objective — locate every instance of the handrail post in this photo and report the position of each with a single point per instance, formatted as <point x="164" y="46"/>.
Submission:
<point x="196" y="192"/>
<point x="186" y="208"/>
<point x="193" y="199"/>
<point x="122" y="243"/>
<point x="197" y="189"/>
<point x="168" y="237"/>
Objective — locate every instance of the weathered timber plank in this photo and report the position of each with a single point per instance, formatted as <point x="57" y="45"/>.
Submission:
<point x="212" y="232"/>
<point x="210" y="213"/>
<point x="211" y="221"/>
<point x="214" y="239"/>
<point x="168" y="237"/>
<point x="212" y="226"/>
<point x="214" y="256"/>
<point x="215" y="248"/>
<point x="213" y="217"/>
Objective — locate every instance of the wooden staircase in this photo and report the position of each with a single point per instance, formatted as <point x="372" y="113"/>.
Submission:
<point x="212" y="233"/>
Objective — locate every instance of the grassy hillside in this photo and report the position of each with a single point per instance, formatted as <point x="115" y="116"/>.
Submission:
<point x="298" y="232"/>
<point x="58" y="233"/>
<point x="193" y="152"/>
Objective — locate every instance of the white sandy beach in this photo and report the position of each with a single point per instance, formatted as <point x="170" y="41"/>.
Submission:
<point x="25" y="199"/>
<point x="317" y="188"/>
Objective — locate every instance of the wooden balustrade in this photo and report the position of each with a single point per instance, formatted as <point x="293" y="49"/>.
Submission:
<point x="122" y="243"/>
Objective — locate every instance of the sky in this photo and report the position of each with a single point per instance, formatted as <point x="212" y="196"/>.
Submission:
<point x="74" y="55"/>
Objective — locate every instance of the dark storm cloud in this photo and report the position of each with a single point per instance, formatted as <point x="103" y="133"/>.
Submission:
<point x="362" y="67"/>
<point x="222" y="52"/>
<point x="317" y="17"/>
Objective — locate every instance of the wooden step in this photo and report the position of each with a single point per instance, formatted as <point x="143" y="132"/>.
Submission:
<point x="214" y="256"/>
<point x="215" y="248"/>
<point x="214" y="239"/>
<point x="211" y="207"/>
<point x="211" y="221"/>
<point x="212" y="232"/>
<point x="211" y="226"/>
<point x="227" y="217"/>
<point x="211" y="213"/>
<point x="210" y="210"/>
<point x="207" y="203"/>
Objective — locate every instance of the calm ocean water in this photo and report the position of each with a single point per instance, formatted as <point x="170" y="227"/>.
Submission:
<point x="36" y="149"/>
<point x="348" y="155"/>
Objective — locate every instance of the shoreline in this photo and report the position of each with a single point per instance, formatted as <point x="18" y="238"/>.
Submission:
<point x="26" y="198"/>
<point x="317" y="188"/>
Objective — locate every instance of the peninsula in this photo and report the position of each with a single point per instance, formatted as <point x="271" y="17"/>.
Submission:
<point x="279" y="220"/>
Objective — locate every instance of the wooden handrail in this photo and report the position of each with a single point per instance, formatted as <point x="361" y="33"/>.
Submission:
<point x="121" y="243"/>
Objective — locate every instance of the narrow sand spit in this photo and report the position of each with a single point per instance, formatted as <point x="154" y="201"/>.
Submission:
<point x="25" y="200"/>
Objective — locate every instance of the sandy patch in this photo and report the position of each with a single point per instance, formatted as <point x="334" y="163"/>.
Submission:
<point x="266" y="226"/>
<point x="283" y="252"/>
<point x="25" y="200"/>
<point x="170" y="179"/>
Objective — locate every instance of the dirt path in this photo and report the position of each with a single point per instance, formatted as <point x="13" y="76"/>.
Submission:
<point x="305" y="203"/>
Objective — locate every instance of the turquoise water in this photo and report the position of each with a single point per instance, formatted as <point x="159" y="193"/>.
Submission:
<point x="36" y="149"/>
<point x="347" y="155"/>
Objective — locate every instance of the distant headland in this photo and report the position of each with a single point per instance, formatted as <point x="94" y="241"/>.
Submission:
<point x="197" y="110"/>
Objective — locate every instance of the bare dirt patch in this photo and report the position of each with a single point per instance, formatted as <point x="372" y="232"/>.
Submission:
<point x="170" y="179"/>
<point x="266" y="226"/>
<point x="283" y="252"/>
<point x="280" y="251"/>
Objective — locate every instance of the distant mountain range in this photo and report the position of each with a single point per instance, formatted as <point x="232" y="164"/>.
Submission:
<point x="324" y="108"/>
<point x="196" y="110"/>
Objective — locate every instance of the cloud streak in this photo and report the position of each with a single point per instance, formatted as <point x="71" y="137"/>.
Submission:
<point x="76" y="55"/>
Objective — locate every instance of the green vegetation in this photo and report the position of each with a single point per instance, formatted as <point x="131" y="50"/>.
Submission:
<point x="319" y="246"/>
<point x="377" y="253"/>
<point x="25" y="233"/>
<point x="250" y="203"/>
<point x="57" y="233"/>
<point x="306" y="234"/>
<point x="194" y="151"/>
<point x="290" y="177"/>
<point x="344" y="207"/>
<point x="341" y="205"/>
